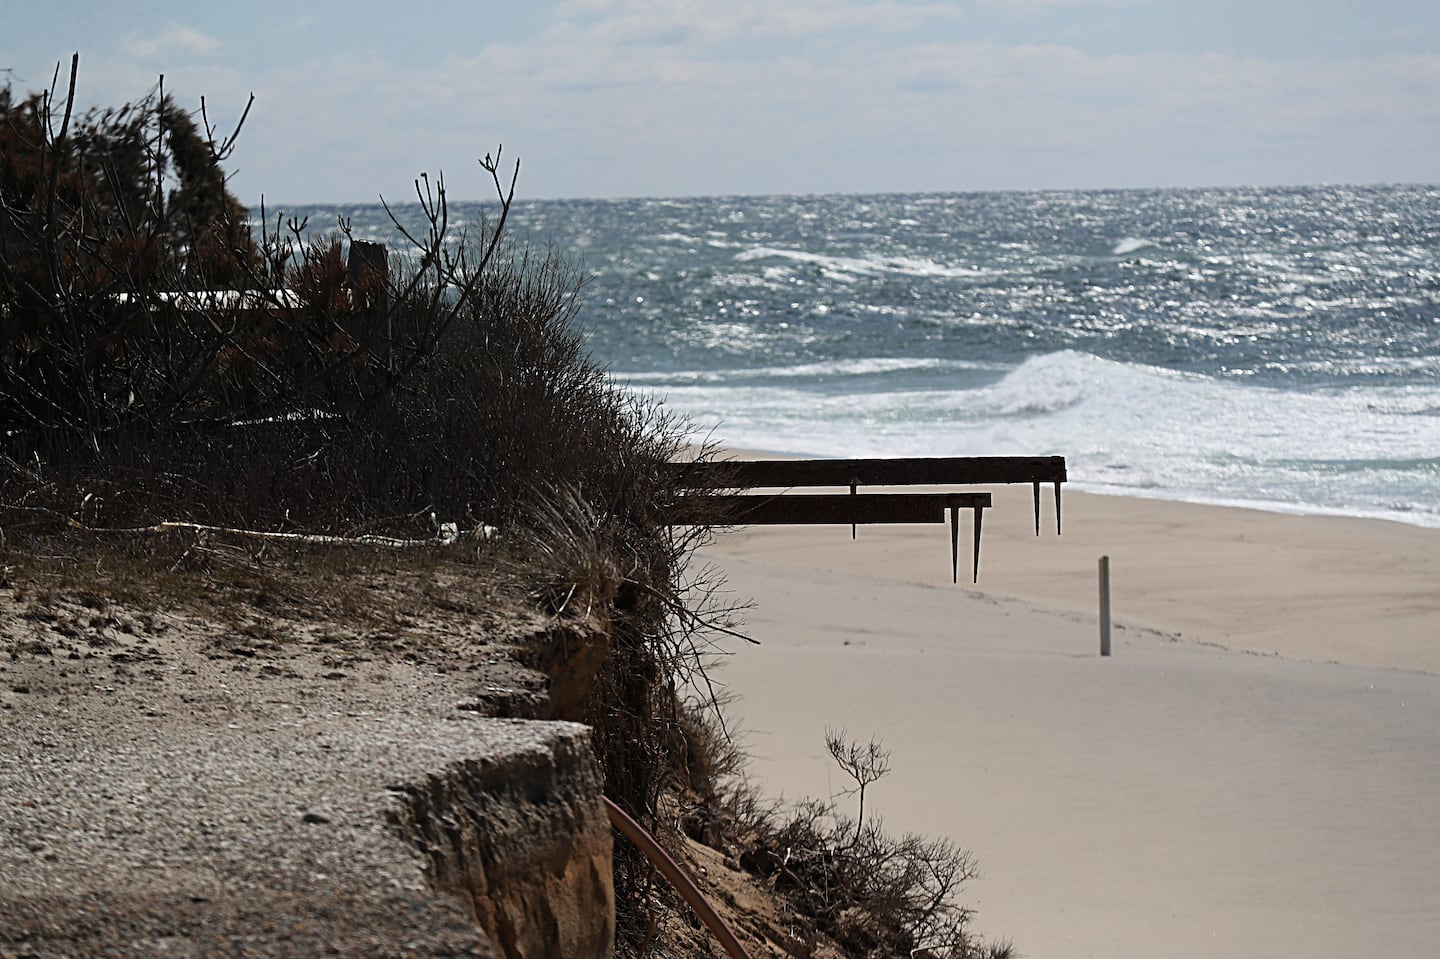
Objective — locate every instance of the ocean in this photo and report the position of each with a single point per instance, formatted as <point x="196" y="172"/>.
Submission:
<point x="1272" y="348"/>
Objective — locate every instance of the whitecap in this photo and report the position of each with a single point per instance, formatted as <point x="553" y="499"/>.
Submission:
<point x="1130" y="244"/>
<point x="867" y="366"/>
<point x="837" y="266"/>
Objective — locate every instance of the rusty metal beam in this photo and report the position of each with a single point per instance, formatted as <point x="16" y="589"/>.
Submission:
<point x="805" y="509"/>
<point x="854" y="508"/>
<point x="913" y="471"/>
<point x="854" y="473"/>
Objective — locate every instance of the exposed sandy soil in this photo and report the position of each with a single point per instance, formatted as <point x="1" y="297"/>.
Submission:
<point x="194" y="747"/>
<point x="192" y="734"/>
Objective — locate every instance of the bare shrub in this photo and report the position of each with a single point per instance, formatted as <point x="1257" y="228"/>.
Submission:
<point x="863" y="764"/>
<point x="159" y="360"/>
<point x="874" y="893"/>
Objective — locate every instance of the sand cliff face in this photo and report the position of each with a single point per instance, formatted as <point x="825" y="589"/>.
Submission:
<point x="523" y="839"/>
<point x="275" y="777"/>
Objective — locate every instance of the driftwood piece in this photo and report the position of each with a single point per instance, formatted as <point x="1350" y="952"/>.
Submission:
<point x="445" y="537"/>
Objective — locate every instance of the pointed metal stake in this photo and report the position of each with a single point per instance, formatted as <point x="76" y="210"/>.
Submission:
<point x="1105" y="606"/>
<point x="955" y="544"/>
<point x="854" y="482"/>
<point x="1057" y="505"/>
<point x="979" y="513"/>
<point x="1036" y="484"/>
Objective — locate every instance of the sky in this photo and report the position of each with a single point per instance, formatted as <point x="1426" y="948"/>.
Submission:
<point x="617" y="98"/>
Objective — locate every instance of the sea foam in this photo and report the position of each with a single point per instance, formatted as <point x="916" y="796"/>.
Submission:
<point x="1129" y="245"/>
<point x="1271" y="347"/>
<point x="1118" y="424"/>
<point x="872" y="265"/>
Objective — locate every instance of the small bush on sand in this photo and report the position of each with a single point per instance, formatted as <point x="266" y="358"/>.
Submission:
<point x="873" y="893"/>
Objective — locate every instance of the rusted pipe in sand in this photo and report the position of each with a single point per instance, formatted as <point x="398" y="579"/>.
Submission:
<point x="676" y="876"/>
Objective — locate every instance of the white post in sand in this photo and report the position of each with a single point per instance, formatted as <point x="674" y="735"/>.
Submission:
<point x="1105" y="606"/>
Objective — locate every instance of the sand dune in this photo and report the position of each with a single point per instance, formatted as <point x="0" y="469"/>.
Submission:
<point x="1254" y="772"/>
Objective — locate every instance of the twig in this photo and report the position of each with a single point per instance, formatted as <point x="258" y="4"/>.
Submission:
<point x="694" y="618"/>
<point x="227" y="145"/>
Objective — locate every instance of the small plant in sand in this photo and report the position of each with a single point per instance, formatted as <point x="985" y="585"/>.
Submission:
<point x="874" y="893"/>
<point x="863" y="764"/>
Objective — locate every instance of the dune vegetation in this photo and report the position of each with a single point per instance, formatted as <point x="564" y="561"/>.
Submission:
<point x="174" y="366"/>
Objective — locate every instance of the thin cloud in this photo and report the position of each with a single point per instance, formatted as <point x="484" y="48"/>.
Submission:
<point x="626" y="97"/>
<point x="1028" y="6"/>
<point x="175" y="40"/>
<point x="1406" y="32"/>
<point x="707" y="22"/>
<point x="657" y="118"/>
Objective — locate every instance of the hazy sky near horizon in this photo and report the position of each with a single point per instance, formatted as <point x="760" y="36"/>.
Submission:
<point x="605" y="98"/>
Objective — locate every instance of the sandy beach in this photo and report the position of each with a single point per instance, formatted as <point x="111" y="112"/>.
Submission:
<point x="1254" y="772"/>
